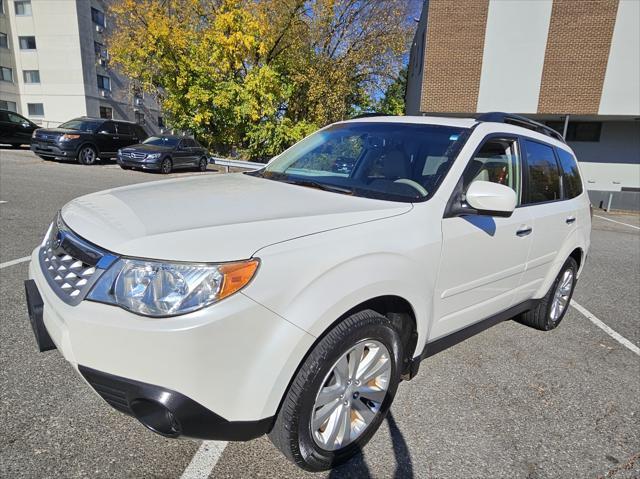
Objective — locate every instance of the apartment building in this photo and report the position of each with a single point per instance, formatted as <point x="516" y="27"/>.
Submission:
<point x="54" y="65"/>
<point x="573" y="64"/>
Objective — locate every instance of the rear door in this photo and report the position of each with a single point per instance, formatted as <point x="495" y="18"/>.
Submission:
<point x="554" y="217"/>
<point x="483" y="257"/>
<point x="22" y="128"/>
<point x="7" y="128"/>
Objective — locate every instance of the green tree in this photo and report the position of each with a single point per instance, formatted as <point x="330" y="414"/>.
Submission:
<point x="259" y="75"/>
<point x="393" y="101"/>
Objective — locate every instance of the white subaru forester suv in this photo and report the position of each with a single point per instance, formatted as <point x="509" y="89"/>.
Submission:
<point x="292" y="300"/>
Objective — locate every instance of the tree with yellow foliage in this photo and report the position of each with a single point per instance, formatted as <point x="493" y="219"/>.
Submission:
<point x="260" y="74"/>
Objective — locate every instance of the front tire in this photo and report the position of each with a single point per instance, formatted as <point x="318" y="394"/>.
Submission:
<point x="202" y="164"/>
<point x="87" y="155"/>
<point x="341" y="393"/>
<point x="552" y="308"/>
<point x="166" y="166"/>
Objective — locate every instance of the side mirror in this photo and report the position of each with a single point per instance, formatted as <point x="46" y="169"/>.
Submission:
<point x="491" y="199"/>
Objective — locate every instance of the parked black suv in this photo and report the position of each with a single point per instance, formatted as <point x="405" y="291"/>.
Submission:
<point x="15" y="130"/>
<point x="164" y="153"/>
<point x="86" y="139"/>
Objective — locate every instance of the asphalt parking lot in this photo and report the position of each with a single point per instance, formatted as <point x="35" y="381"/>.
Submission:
<point x="509" y="403"/>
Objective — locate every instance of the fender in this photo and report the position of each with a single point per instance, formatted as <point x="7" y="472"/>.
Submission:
<point x="575" y="240"/>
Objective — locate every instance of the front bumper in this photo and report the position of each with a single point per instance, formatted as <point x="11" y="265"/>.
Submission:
<point x="53" y="149"/>
<point x="143" y="164"/>
<point x="235" y="358"/>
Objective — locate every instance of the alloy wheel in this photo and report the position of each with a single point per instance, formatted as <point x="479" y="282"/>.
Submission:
<point x="166" y="166"/>
<point x="351" y="395"/>
<point x="203" y="164"/>
<point x="561" y="295"/>
<point x="88" y="155"/>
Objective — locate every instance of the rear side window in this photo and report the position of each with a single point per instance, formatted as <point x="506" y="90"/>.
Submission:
<point x="570" y="174"/>
<point x="140" y="132"/>
<point x="542" y="173"/>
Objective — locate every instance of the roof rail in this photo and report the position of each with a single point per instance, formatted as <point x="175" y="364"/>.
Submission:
<point x="522" y="121"/>
<point x="369" y="114"/>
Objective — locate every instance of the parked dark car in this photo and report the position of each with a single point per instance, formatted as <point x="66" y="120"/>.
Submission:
<point x="164" y="154"/>
<point x="15" y="129"/>
<point x="86" y="139"/>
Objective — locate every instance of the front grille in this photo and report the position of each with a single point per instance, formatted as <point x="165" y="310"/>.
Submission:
<point x="133" y="154"/>
<point x="46" y="138"/>
<point x="70" y="264"/>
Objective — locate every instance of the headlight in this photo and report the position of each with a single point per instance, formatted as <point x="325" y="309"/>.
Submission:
<point x="152" y="156"/>
<point x="67" y="137"/>
<point x="154" y="288"/>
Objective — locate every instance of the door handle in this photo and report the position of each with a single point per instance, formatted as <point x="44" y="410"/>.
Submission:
<point x="570" y="219"/>
<point x="524" y="231"/>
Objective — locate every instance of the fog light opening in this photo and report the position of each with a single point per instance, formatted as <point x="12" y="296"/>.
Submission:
<point x="156" y="417"/>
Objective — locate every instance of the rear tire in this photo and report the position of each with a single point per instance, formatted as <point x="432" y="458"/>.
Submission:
<point x="47" y="158"/>
<point x="87" y="155"/>
<point x="552" y="308"/>
<point x="16" y="145"/>
<point x="356" y="406"/>
<point x="125" y="167"/>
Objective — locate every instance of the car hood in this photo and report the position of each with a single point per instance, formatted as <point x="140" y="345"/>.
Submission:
<point x="141" y="148"/>
<point x="210" y="218"/>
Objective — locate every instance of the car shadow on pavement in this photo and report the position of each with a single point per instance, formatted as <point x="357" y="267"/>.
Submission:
<point x="357" y="467"/>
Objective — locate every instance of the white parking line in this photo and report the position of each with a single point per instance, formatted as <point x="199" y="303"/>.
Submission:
<point x="615" y="335"/>
<point x="2" y="202"/>
<point x="14" y="261"/>
<point x="619" y="222"/>
<point x="204" y="460"/>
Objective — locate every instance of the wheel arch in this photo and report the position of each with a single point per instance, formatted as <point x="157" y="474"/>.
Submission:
<point x="398" y="309"/>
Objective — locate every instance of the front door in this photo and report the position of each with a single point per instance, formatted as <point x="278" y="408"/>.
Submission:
<point x="483" y="257"/>
<point x="107" y="139"/>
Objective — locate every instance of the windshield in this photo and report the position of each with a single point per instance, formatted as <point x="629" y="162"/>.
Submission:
<point x="161" y="141"/>
<point x="82" y="125"/>
<point x="391" y="161"/>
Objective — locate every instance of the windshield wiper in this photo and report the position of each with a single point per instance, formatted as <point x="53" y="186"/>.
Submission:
<point x="318" y="185"/>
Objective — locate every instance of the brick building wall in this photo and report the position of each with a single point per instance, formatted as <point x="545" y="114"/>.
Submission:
<point x="453" y="60"/>
<point x="576" y="56"/>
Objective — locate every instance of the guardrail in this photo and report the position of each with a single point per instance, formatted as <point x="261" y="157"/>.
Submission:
<point x="228" y="164"/>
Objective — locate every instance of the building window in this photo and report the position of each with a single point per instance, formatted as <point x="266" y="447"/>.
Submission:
<point x="6" y="74"/>
<point x="23" y="7"/>
<point x="35" y="109"/>
<point x="27" y="43"/>
<point x="31" y="76"/>
<point x="98" y="17"/>
<point x="579" y="130"/>
<point x="104" y="83"/>
<point x="1" y="7"/>
<point x="106" y="112"/>
<point x="8" y="105"/>
<point x="140" y="118"/>
<point x="160" y="122"/>
<point x="4" y="43"/>
<point x="100" y="50"/>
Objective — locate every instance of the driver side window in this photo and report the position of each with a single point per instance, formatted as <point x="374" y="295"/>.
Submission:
<point x="497" y="161"/>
